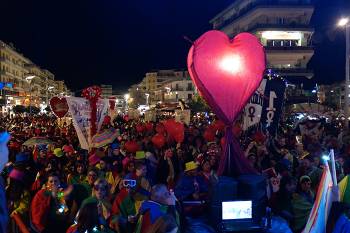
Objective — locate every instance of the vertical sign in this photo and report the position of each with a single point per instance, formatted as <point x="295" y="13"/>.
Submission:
<point x="273" y="104"/>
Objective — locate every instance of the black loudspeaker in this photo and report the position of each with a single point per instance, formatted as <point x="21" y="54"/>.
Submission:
<point x="253" y="187"/>
<point x="225" y="189"/>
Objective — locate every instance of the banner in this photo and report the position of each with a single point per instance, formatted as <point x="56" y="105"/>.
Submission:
<point x="102" y="111"/>
<point x="150" y="116"/>
<point x="252" y="111"/>
<point x="265" y="106"/>
<point x="273" y="104"/>
<point x="79" y="109"/>
<point x="183" y="116"/>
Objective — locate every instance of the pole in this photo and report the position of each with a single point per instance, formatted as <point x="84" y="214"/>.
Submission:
<point x="334" y="174"/>
<point x="30" y="101"/>
<point x="347" y="75"/>
<point x="335" y="188"/>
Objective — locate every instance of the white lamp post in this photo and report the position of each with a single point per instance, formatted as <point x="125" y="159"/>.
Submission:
<point x="345" y="22"/>
<point x="126" y="97"/>
<point x="29" y="81"/>
<point x="147" y="97"/>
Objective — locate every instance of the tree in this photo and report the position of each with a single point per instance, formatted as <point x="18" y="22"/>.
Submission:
<point x="198" y="104"/>
<point x="18" y="109"/>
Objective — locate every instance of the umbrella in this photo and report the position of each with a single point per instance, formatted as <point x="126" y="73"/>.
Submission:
<point x="104" y="138"/>
<point x="37" y="141"/>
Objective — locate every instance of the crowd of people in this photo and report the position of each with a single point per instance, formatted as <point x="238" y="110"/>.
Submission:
<point x="59" y="187"/>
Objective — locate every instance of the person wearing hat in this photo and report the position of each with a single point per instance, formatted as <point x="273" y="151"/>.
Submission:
<point x="104" y="169"/>
<point x="143" y="186"/>
<point x="307" y="168"/>
<point x="302" y="203"/>
<point x="191" y="186"/>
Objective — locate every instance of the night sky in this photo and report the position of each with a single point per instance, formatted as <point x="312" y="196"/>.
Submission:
<point x="116" y="42"/>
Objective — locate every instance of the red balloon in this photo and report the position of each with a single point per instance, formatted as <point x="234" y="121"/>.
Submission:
<point x="175" y="129"/>
<point x="218" y="125"/>
<point x="107" y="120"/>
<point x="160" y="128"/>
<point x="149" y="126"/>
<point x="37" y="131"/>
<point x="219" y="65"/>
<point x="140" y="128"/>
<point x="158" y="140"/>
<point x="222" y="142"/>
<point x="259" y="137"/>
<point x="126" y="118"/>
<point x="237" y="130"/>
<point x="209" y="135"/>
<point x="131" y="146"/>
<point x="59" y="106"/>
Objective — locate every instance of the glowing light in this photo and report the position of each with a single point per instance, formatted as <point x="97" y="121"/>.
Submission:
<point x="231" y="63"/>
<point x="343" y="22"/>
<point x="270" y="35"/>
<point x="30" y="77"/>
<point x="126" y="96"/>
<point x="326" y="158"/>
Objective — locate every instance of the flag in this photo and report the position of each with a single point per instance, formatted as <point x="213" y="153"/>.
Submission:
<point x="319" y="214"/>
<point x="344" y="190"/>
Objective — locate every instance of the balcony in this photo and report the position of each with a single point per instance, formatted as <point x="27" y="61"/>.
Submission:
<point x="284" y="49"/>
<point x="279" y="26"/>
<point x="298" y="72"/>
<point x="266" y="3"/>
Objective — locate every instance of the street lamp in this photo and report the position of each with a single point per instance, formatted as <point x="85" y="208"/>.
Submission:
<point x="29" y="79"/>
<point x="126" y="97"/>
<point x="345" y="22"/>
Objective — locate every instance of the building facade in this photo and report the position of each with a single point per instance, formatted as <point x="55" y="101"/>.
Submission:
<point x="25" y="83"/>
<point x="107" y="91"/>
<point x="174" y="91"/>
<point x="13" y="74"/>
<point x="332" y="95"/>
<point x="283" y="28"/>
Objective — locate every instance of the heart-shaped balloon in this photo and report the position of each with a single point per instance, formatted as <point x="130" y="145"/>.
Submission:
<point x="226" y="72"/>
<point x="59" y="106"/>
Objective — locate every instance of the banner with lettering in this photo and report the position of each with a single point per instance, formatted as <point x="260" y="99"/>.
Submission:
<point x="102" y="111"/>
<point x="274" y="96"/>
<point x="79" y="109"/>
<point x="253" y="109"/>
<point x="264" y="108"/>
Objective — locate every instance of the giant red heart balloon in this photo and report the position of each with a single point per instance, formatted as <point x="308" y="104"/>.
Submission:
<point x="226" y="72"/>
<point x="59" y="106"/>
